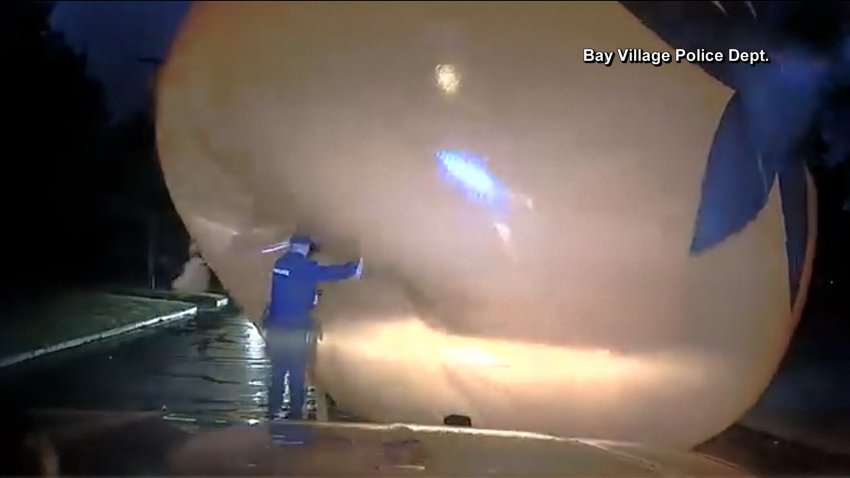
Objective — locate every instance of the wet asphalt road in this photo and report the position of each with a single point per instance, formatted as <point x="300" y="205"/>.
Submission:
<point x="209" y="369"/>
<point x="212" y="370"/>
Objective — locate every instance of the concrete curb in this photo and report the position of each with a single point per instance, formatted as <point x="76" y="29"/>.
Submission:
<point x="220" y="301"/>
<point x="163" y="319"/>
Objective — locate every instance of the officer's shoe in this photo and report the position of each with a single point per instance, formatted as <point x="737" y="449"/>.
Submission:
<point x="281" y="415"/>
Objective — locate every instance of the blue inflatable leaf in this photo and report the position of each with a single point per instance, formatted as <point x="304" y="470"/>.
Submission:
<point x="736" y="183"/>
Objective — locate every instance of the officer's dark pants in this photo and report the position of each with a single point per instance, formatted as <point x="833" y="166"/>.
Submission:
<point x="289" y="349"/>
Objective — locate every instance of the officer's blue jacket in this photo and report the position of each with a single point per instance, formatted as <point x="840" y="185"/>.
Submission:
<point x="295" y="280"/>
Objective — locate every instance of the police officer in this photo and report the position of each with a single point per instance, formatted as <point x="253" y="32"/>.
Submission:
<point x="289" y="327"/>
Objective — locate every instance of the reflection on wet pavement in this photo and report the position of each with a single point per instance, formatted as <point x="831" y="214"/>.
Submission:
<point x="211" y="369"/>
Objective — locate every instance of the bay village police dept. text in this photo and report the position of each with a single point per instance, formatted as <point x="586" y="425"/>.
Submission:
<point x="658" y="58"/>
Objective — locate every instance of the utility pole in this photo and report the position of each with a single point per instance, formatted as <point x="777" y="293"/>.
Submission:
<point x="152" y="234"/>
<point x="152" y="220"/>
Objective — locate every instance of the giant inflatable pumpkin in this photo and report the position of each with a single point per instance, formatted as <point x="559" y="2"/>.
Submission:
<point x="527" y="220"/>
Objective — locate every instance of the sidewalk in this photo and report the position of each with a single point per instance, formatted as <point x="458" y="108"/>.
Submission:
<point x="76" y="318"/>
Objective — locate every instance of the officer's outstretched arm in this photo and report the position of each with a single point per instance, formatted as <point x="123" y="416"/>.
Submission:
<point x="327" y="273"/>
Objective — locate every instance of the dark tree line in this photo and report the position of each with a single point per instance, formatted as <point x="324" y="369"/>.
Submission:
<point x="134" y="205"/>
<point x="82" y="200"/>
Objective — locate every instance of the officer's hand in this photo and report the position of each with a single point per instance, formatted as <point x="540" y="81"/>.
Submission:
<point x="359" y="272"/>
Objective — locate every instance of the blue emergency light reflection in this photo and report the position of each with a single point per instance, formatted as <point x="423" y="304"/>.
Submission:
<point x="469" y="172"/>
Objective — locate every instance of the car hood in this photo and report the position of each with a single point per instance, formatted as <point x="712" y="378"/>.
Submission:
<point x="96" y="443"/>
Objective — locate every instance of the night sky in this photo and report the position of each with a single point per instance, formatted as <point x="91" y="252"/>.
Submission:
<point x="114" y="35"/>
